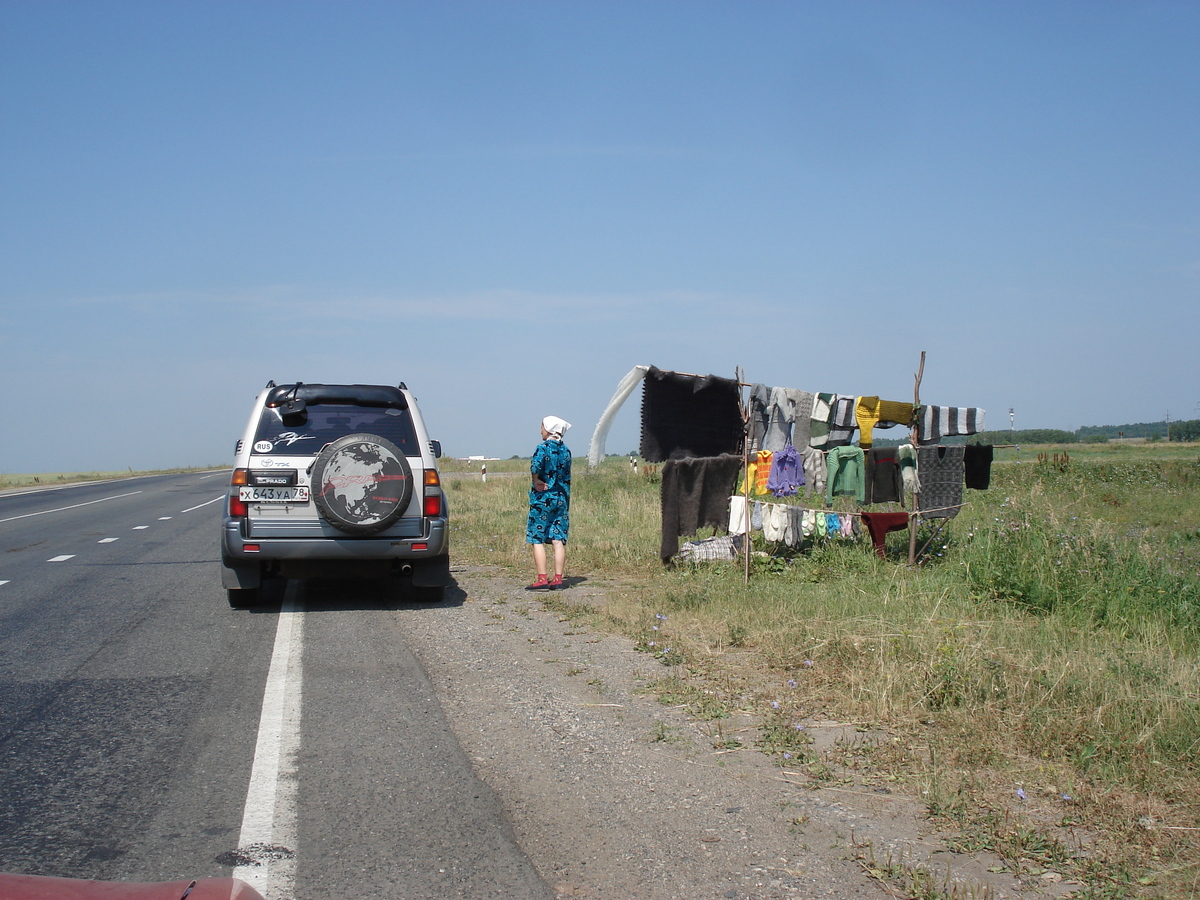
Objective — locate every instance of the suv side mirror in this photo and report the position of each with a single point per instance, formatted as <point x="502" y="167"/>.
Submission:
<point x="435" y="448"/>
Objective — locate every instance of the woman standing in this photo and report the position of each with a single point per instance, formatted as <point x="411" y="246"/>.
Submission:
<point x="549" y="502"/>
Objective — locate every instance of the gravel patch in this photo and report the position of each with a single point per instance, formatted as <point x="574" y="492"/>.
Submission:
<point x="614" y="795"/>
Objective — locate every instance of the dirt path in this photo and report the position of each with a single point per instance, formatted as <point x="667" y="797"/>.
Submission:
<point x="615" y="796"/>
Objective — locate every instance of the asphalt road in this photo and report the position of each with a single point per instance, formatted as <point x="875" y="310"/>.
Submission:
<point x="131" y="699"/>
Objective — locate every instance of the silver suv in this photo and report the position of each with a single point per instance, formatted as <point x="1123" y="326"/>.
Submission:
<point x="335" y="480"/>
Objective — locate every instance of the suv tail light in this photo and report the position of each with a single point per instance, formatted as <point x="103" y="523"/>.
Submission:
<point x="432" y="503"/>
<point x="237" y="506"/>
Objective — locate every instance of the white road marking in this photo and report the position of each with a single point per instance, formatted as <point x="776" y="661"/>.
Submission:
<point x="164" y="518"/>
<point x="62" y="558"/>
<point x="140" y="527"/>
<point x="74" y="506"/>
<point x="205" y="503"/>
<point x="268" y="833"/>
<point x="107" y="540"/>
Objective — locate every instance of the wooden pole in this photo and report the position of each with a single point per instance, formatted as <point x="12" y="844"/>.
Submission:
<point x="745" y="480"/>
<point x="912" y="518"/>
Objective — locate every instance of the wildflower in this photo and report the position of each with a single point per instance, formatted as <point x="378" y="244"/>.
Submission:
<point x="791" y="682"/>
<point x="774" y="704"/>
<point x="652" y="643"/>
<point x="1020" y="793"/>
<point x="808" y="662"/>
<point x="1067" y="797"/>
<point x="798" y="727"/>
<point x="654" y="628"/>
<point x="787" y="755"/>
<point x="660" y="616"/>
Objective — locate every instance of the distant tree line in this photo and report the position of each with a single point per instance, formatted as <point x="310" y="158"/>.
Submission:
<point x="1089" y="434"/>
<point x="1021" y="436"/>
<point x="1188" y="430"/>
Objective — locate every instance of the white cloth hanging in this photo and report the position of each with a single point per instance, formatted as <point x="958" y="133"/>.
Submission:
<point x="624" y="389"/>
<point x="738" y="519"/>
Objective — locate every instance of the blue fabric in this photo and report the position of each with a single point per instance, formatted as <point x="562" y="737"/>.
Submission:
<point x="549" y="518"/>
<point x="786" y="473"/>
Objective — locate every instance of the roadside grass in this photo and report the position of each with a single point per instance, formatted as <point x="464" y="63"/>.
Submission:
<point x="33" y="479"/>
<point x="1036" y="682"/>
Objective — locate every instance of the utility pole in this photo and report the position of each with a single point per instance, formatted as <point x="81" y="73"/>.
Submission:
<point x="1012" y="423"/>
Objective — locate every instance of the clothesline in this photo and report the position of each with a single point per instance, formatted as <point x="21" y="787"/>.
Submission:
<point x="845" y="512"/>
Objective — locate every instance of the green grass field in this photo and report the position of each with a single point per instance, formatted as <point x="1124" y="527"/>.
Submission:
<point x="1038" y="675"/>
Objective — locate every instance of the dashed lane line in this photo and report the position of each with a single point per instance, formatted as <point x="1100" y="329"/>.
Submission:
<point x="206" y="503"/>
<point x="108" y="540"/>
<point x="73" y="506"/>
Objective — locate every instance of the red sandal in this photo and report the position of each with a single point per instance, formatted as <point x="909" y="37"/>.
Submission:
<point x="541" y="583"/>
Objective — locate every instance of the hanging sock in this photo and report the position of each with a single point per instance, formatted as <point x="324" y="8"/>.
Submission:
<point x="774" y="521"/>
<point x="808" y="525"/>
<point x="833" y="525"/>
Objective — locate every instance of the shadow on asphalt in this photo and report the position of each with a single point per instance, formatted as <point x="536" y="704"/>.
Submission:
<point x="328" y="595"/>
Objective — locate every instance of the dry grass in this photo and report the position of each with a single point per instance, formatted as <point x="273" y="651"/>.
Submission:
<point x="1041" y="675"/>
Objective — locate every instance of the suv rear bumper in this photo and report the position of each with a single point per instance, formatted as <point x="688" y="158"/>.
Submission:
<point x="233" y="545"/>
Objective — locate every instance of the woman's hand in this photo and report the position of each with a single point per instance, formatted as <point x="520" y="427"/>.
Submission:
<point x="539" y="485"/>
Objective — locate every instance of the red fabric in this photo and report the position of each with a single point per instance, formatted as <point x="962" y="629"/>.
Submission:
<point x="879" y="524"/>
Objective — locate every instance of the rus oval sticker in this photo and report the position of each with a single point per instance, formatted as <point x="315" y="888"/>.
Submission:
<point x="263" y="446"/>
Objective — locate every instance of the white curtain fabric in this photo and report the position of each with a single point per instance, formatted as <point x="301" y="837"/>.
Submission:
<point x="624" y="389"/>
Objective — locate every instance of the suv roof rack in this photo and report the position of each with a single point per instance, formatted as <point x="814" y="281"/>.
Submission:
<point x="357" y="394"/>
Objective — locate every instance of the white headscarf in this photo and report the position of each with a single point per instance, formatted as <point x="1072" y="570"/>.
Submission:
<point x="555" y="426"/>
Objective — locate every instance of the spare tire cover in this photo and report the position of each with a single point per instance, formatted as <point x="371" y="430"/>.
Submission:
<point x="361" y="483"/>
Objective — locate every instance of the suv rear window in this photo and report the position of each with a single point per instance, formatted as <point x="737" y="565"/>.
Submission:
<point x="320" y="424"/>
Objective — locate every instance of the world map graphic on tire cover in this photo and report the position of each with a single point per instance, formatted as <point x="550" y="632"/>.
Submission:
<point x="362" y="483"/>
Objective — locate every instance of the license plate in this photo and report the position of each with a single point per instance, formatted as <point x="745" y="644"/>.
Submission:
<point x="260" y="494"/>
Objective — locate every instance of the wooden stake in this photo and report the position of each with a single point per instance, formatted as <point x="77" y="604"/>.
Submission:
<point x="912" y="519"/>
<point x="745" y="480"/>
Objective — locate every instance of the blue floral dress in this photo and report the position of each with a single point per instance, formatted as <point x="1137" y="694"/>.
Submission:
<point x="549" y="509"/>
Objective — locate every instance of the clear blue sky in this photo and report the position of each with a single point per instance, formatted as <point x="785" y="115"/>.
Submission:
<point x="507" y="205"/>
